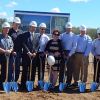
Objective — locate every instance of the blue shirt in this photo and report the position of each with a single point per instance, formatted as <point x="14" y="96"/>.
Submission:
<point x="96" y="47"/>
<point x="84" y="44"/>
<point x="70" y="42"/>
<point x="6" y="43"/>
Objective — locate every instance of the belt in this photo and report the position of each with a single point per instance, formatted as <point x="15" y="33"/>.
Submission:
<point x="67" y="50"/>
<point x="79" y="52"/>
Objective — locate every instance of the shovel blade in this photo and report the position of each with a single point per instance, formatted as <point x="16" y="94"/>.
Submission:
<point x="94" y="86"/>
<point x="82" y="87"/>
<point x="14" y="86"/>
<point x="62" y="86"/>
<point x="7" y="87"/>
<point x="29" y="85"/>
<point x="41" y="84"/>
<point x="47" y="86"/>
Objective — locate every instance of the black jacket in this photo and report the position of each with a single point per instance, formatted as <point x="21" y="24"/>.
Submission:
<point x="17" y="39"/>
<point x="28" y="45"/>
<point x="60" y="45"/>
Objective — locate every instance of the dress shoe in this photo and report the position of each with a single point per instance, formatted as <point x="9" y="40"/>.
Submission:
<point x="74" y="84"/>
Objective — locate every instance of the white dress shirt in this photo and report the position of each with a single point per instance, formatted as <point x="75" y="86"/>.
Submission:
<point x="31" y="34"/>
<point x="43" y="41"/>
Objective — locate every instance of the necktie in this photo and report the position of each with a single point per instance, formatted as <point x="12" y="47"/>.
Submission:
<point x="31" y="37"/>
<point x="39" y="37"/>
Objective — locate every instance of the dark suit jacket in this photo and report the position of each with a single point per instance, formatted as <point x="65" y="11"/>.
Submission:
<point x="28" y="45"/>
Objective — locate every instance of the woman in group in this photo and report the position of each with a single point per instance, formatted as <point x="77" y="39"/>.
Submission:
<point x="96" y="52"/>
<point x="54" y="47"/>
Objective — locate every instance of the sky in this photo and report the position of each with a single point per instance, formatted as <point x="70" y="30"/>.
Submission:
<point x="85" y="12"/>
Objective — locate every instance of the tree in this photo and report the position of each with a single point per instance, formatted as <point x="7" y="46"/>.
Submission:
<point x="2" y="20"/>
<point x="90" y="31"/>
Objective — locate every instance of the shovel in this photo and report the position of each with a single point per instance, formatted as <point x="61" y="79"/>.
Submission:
<point x="41" y="82"/>
<point x="29" y="84"/>
<point x="14" y="84"/>
<point x="82" y="86"/>
<point x="95" y="85"/>
<point x="63" y="85"/>
<point x="7" y="85"/>
<point x="47" y="85"/>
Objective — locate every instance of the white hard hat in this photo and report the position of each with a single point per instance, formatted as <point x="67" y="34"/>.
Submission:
<point x="82" y="28"/>
<point x="5" y="24"/>
<point x="17" y="20"/>
<point x="42" y="25"/>
<point x="51" y="60"/>
<point x="98" y="31"/>
<point x="33" y="23"/>
<point x="68" y="25"/>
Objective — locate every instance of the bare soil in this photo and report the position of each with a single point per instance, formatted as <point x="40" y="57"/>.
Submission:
<point x="71" y="93"/>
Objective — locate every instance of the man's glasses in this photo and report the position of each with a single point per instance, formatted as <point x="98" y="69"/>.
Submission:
<point x="99" y="34"/>
<point x="42" y="29"/>
<point x="56" y="34"/>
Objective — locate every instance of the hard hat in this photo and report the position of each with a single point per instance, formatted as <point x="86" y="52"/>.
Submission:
<point x="33" y="23"/>
<point x="82" y="28"/>
<point x="68" y="25"/>
<point x="17" y="20"/>
<point x="5" y="24"/>
<point x="51" y="60"/>
<point x="42" y="25"/>
<point x="98" y="31"/>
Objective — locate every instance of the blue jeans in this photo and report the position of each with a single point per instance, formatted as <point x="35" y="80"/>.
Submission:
<point x="17" y="67"/>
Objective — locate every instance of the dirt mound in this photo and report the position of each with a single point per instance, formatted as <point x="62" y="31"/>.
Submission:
<point x="69" y="94"/>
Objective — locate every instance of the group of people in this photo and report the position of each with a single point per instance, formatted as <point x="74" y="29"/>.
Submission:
<point x="66" y="46"/>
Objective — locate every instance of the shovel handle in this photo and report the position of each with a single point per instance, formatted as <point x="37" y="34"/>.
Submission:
<point x="96" y="70"/>
<point x="14" y="57"/>
<point x="41" y="68"/>
<point x="41" y="64"/>
<point x="65" y="69"/>
<point x="83" y="69"/>
<point x="7" y="64"/>
<point x="49" y="74"/>
<point x="30" y="68"/>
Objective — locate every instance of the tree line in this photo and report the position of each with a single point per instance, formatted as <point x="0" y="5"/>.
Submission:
<point x="2" y="20"/>
<point x="90" y="31"/>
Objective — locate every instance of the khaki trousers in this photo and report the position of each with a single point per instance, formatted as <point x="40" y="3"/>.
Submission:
<point x="78" y="67"/>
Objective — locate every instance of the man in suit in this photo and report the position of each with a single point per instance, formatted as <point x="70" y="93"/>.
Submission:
<point x="30" y="48"/>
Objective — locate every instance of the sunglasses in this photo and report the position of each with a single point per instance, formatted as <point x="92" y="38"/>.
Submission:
<point x="98" y="34"/>
<point x="56" y="34"/>
<point x="42" y="29"/>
